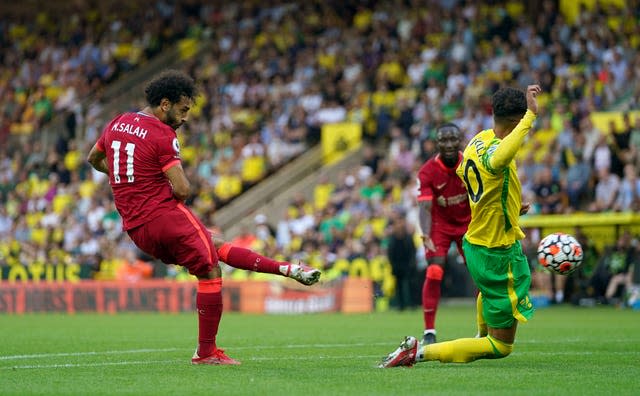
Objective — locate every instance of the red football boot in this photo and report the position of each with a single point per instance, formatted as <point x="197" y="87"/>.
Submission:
<point x="404" y="355"/>
<point x="218" y="358"/>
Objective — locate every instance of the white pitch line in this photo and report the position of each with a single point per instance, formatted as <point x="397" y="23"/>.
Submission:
<point x="298" y="358"/>
<point x="266" y="347"/>
<point x="184" y="361"/>
<point x="89" y="353"/>
<point x="129" y="351"/>
<point x="75" y="365"/>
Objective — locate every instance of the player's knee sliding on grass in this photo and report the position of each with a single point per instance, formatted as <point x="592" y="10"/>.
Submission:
<point x="462" y="350"/>
<point x="491" y="245"/>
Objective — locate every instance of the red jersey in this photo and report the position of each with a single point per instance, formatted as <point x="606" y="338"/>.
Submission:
<point x="440" y="184"/>
<point x="139" y="149"/>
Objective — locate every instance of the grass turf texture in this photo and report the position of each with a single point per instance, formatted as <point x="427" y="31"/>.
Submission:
<point x="562" y="350"/>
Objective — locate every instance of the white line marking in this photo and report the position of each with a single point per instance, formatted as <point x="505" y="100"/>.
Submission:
<point x="256" y="359"/>
<point x="74" y="365"/>
<point x="128" y="351"/>
<point x="90" y="353"/>
<point x="183" y="361"/>
<point x="283" y="347"/>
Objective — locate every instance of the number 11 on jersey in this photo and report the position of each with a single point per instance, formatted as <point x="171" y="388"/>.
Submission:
<point x="129" y="149"/>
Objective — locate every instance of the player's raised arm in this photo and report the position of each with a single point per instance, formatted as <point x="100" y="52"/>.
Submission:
<point x="513" y="137"/>
<point x="97" y="159"/>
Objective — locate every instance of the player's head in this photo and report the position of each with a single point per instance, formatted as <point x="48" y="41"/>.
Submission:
<point x="448" y="139"/>
<point x="509" y="106"/>
<point x="171" y="95"/>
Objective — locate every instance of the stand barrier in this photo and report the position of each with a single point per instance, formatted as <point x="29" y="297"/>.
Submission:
<point x="349" y="295"/>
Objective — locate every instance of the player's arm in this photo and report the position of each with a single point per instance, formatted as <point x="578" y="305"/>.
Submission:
<point x="425" y="201"/>
<point x="424" y="217"/>
<point x="179" y="181"/>
<point x="98" y="159"/>
<point x="508" y="147"/>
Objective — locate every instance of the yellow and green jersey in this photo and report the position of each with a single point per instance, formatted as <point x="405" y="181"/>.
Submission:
<point x="488" y="169"/>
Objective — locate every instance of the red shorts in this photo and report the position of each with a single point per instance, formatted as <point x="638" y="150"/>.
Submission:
<point x="178" y="237"/>
<point x="442" y="241"/>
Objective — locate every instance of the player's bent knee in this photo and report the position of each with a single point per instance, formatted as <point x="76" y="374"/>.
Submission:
<point x="506" y="350"/>
<point x="500" y="348"/>
<point x="435" y="271"/>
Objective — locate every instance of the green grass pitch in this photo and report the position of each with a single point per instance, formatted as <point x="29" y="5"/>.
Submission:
<point x="562" y="350"/>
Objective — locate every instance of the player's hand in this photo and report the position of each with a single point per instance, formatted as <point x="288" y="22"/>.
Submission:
<point x="532" y="92"/>
<point x="428" y="243"/>
<point x="524" y="208"/>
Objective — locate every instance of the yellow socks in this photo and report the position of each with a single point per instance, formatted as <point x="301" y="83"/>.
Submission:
<point x="464" y="350"/>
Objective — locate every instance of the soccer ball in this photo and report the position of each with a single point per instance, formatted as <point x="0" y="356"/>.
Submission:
<point x="560" y="253"/>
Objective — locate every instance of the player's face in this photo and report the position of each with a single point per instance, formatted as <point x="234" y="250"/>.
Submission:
<point x="448" y="140"/>
<point x="177" y="113"/>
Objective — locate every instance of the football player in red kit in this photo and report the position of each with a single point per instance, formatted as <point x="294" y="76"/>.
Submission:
<point x="139" y="151"/>
<point x="444" y="214"/>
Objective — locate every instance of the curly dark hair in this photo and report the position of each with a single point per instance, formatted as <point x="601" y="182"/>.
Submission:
<point x="170" y="84"/>
<point x="509" y="104"/>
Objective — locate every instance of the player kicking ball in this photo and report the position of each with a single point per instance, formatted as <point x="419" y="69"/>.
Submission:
<point x="492" y="243"/>
<point x="139" y="151"/>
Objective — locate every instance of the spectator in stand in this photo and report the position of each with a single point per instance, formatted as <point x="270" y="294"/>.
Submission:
<point x="602" y="155"/>
<point x="548" y="192"/>
<point x="592" y="136"/>
<point x="606" y="191"/>
<point x="634" y="142"/>
<point x="578" y="174"/>
<point x="615" y="269"/>
<point x="628" y="197"/>
<point x="619" y="145"/>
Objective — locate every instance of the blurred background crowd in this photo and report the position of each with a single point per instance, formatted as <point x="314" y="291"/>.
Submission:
<point x="273" y="74"/>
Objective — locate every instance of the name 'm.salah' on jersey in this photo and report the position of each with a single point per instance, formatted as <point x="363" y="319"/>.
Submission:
<point x="139" y="149"/>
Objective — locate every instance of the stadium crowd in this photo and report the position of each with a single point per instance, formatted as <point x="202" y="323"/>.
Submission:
<point x="275" y="74"/>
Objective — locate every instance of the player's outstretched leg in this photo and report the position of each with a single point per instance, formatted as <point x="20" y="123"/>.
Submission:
<point x="249" y="260"/>
<point x="404" y="355"/>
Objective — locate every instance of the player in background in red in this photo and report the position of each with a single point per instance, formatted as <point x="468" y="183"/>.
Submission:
<point x="444" y="215"/>
<point x="139" y="151"/>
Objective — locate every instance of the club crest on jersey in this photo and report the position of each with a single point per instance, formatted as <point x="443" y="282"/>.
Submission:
<point x="176" y="146"/>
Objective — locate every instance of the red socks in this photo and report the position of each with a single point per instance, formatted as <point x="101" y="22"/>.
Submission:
<point x="431" y="295"/>
<point x="209" y="305"/>
<point x="249" y="260"/>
